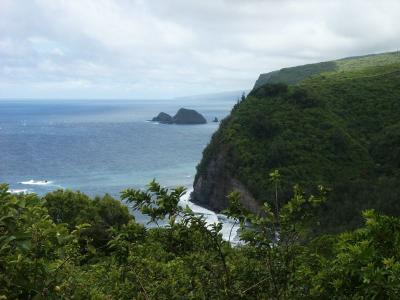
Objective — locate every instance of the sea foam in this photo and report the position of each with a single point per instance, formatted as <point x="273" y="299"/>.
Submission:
<point x="229" y="227"/>
<point x="36" y="182"/>
<point x="19" y="191"/>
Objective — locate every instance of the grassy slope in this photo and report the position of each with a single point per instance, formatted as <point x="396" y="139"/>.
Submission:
<point x="297" y="74"/>
<point x="339" y="128"/>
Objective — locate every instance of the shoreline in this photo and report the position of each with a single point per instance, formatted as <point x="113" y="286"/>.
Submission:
<point x="228" y="226"/>
<point x="211" y="217"/>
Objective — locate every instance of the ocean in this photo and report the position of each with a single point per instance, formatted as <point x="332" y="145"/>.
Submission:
<point x="103" y="146"/>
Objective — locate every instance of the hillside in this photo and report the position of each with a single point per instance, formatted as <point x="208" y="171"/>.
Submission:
<point x="339" y="128"/>
<point x="296" y="74"/>
<point x="332" y="123"/>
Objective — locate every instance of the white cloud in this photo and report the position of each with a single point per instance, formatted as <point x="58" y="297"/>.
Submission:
<point x="157" y="48"/>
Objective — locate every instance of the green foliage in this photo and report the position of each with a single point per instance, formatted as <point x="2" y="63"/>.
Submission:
<point x="74" y="208"/>
<point x="295" y="74"/>
<point x="187" y="258"/>
<point x="156" y="202"/>
<point x="187" y="237"/>
<point x="365" y="263"/>
<point x="269" y="90"/>
<point x="33" y="249"/>
<point x="329" y="130"/>
<point x="335" y="126"/>
<point x="276" y="238"/>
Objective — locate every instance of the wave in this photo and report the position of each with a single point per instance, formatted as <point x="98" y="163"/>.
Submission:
<point x="19" y="191"/>
<point x="36" y="182"/>
<point x="229" y="228"/>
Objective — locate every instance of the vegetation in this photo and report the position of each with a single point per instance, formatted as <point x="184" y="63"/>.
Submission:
<point x="297" y="74"/>
<point x="47" y="255"/>
<point x="338" y="128"/>
<point x="335" y="133"/>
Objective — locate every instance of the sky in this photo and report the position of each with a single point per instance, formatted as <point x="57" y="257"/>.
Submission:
<point x="171" y="48"/>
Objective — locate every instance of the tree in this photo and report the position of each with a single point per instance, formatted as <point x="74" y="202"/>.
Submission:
<point x="275" y="237"/>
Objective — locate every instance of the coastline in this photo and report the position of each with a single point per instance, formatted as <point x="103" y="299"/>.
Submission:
<point x="229" y="228"/>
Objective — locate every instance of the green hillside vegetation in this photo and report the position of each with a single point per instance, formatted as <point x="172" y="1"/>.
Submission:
<point x="318" y="156"/>
<point x="296" y="74"/>
<point x="339" y="128"/>
<point x="67" y="246"/>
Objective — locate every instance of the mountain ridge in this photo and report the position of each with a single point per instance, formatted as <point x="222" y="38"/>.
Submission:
<point x="330" y="127"/>
<point x="313" y="69"/>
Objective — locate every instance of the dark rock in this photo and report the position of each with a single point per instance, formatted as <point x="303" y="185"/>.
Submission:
<point x="215" y="120"/>
<point x="188" y="116"/>
<point x="163" y="118"/>
<point x="212" y="186"/>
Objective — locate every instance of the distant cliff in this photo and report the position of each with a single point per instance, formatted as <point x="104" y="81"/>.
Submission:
<point x="331" y="123"/>
<point x="295" y="74"/>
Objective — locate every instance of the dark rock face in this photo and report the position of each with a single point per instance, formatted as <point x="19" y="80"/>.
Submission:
<point x="212" y="187"/>
<point x="188" y="116"/>
<point x="163" y="118"/>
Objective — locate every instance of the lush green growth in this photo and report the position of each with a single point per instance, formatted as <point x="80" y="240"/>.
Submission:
<point x="295" y="74"/>
<point x="339" y="128"/>
<point x="48" y="250"/>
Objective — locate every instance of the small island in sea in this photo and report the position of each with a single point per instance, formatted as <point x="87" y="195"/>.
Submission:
<point x="183" y="116"/>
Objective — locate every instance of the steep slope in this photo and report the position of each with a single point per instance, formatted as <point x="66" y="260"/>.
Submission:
<point x="296" y="74"/>
<point x="337" y="124"/>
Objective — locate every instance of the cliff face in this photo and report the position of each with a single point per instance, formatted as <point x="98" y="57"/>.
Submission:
<point x="211" y="188"/>
<point x="324" y="126"/>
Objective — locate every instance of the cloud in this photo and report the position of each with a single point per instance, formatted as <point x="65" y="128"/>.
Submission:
<point x="156" y="48"/>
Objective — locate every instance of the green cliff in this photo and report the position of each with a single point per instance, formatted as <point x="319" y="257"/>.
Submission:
<point x="333" y="123"/>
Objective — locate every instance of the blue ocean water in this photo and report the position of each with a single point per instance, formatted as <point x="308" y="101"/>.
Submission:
<point x="99" y="146"/>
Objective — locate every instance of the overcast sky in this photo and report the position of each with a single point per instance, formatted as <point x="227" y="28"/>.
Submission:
<point x="170" y="48"/>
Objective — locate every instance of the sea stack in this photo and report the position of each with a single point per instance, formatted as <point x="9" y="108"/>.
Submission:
<point x="188" y="116"/>
<point x="183" y="116"/>
<point x="163" y="118"/>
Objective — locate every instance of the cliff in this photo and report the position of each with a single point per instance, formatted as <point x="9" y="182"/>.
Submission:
<point x="217" y="183"/>
<point x="295" y="74"/>
<point x="330" y="123"/>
